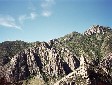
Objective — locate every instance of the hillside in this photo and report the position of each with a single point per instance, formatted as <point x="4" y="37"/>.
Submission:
<point x="10" y="48"/>
<point x="75" y="59"/>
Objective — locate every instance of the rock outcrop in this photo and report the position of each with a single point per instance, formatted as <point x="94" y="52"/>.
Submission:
<point x="96" y="29"/>
<point x="75" y="59"/>
<point x="44" y="60"/>
<point x="77" y="77"/>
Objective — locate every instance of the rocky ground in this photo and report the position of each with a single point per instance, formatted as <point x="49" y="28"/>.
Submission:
<point x="75" y="59"/>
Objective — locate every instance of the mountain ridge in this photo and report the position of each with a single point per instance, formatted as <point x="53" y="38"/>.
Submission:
<point x="52" y="61"/>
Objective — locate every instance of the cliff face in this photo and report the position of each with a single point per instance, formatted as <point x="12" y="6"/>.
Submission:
<point x="79" y="76"/>
<point x="44" y="60"/>
<point x="74" y="59"/>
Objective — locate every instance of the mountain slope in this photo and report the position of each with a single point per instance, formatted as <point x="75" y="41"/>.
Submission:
<point x="10" y="48"/>
<point x="77" y="59"/>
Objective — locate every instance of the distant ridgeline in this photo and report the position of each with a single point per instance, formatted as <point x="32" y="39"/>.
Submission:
<point x="75" y="59"/>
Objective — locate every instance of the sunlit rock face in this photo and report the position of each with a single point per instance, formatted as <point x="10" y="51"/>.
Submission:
<point x="41" y="60"/>
<point x="97" y="29"/>
<point x="77" y="77"/>
<point x="74" y="59"/>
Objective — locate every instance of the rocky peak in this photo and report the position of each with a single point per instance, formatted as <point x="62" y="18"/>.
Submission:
<point x="97" y="29"/>
<point x="74" y="59"/>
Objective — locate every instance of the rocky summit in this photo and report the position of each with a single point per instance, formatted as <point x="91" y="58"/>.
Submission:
<point x="75" y="59"/>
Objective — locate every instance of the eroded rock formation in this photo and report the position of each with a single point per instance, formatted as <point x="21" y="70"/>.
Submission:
<point x="72" y="60"/>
